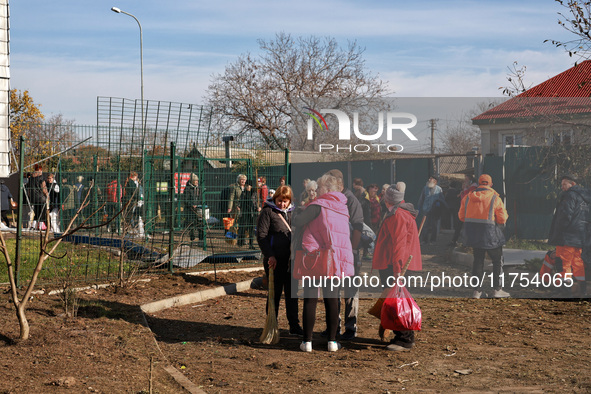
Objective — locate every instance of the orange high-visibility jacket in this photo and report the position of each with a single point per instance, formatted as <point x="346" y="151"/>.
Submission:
<point x="483" y="214"/>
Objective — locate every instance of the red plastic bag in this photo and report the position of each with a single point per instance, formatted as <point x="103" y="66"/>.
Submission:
<point x="400" y="312"/>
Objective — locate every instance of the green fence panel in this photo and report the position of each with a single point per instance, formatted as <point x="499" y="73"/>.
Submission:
<point x="119" y="240"/>
<point x="415" y="173"/>
<point x="379" y="172"/>
<point x="493" y="166"/>
<point x="531" y="193"/>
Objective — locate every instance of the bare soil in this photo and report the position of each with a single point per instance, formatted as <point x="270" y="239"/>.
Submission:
<point x="510" y="345"/>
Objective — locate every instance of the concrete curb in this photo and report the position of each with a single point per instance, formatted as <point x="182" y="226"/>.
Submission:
<point x="247" y="269"/>
<point x="462" y="259"/>
<point x="199" y="296"/>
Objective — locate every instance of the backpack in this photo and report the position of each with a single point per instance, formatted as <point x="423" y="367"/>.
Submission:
<point x="112" y="192"/>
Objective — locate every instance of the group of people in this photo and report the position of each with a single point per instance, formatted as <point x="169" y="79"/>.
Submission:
<point x="330" y="216"/>
<point x="83" y="197"/>
<point x="242" y="202"/>
<point x="42" y="196"/>
<point x="483" y="216"/>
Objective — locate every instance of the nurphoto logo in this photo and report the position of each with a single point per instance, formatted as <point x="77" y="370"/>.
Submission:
<point x="395" y="122"/>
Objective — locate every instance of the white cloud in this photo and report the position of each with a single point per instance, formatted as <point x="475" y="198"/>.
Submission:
<point x="70" y="52"/>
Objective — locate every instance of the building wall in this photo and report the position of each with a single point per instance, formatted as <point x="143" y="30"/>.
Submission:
<point x="4" y="89"/>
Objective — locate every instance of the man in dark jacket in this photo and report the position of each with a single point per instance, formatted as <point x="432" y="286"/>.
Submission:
<point x="248" y="215"/>
<point x="191" y="199"/>
<point x="6" y="199"/>
<point x="570" y="229"/>
<point x="131" y="201"/>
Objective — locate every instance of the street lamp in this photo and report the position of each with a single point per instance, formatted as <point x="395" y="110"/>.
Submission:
<point x="119" y="11"/>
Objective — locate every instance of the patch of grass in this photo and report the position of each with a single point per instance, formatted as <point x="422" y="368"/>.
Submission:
<point x="80" y="262"/>
<point x="96" y="309"/>
<point x="528" y="244"/>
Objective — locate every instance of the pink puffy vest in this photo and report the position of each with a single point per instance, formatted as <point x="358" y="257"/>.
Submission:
<point x="333" y="218"/>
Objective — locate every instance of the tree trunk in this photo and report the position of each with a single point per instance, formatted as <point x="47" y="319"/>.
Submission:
<point x="23" y="322"/>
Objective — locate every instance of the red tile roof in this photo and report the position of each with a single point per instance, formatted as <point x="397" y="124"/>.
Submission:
<point x="568" y="93"/>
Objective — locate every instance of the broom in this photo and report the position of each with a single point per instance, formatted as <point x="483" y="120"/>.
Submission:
<point x="270" y="334"/>
<point x="422" y="224"/>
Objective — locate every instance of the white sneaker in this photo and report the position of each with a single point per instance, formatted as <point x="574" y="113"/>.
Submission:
<point x="476" y="294"/>
<point x="333" y="346"/>
<point x="306" y="347"/>
<point x="501" y="294"/>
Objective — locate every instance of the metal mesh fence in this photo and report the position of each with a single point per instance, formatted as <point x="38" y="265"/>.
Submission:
<point x="168" y="198"/>
<point x="160" y="209"/>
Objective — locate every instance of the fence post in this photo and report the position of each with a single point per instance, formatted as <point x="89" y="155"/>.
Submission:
<point x="171" y="202"/>
<point x="144" y="194"/>
<point x="286" y="160"/>
<point x="94" y="197"/>
<point x="204" y="225"/>
<point x="60" y="198"/>
<point x="19" y="223"/>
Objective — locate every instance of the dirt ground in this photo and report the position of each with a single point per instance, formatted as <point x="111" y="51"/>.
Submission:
<point x="510" y="345"/>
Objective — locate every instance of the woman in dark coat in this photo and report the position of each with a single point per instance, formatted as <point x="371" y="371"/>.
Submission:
<point x="274" y="238"/>
<point x="6" y="199"/>
<point x="191" y="199"/>
<point x="38" y="194"/>
<point x="248" y="213"/>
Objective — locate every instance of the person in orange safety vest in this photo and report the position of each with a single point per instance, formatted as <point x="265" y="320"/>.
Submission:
<point x="484" y="216"/>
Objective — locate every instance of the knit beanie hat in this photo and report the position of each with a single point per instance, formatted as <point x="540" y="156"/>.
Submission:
<point x="395" y="193"/>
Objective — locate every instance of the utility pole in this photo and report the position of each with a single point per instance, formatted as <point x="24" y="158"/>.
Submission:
<point x="433" y="124"/>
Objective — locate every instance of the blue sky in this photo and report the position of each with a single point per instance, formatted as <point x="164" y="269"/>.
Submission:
<point x="68" y="52"/>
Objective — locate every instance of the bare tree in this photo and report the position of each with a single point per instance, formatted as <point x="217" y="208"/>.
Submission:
<point x="266" y="93"/>
<point x="49" y="138"/>
<point x="576" y="20"/>
<point x="460" y="135"/>
<point x="47" y="249"/>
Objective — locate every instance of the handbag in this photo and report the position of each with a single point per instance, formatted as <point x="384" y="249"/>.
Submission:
<point x="315" y="264"/>
<point x="231" y="235"/>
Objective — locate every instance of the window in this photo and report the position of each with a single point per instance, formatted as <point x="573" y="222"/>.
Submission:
<point x="561" y="137"/>
<point x="510" y="140"/>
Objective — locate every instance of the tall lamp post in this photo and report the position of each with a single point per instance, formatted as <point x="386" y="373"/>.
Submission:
<point x="119" y="11"/>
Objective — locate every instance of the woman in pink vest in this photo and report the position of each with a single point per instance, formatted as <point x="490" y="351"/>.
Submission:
<point x="325" y="224"/>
